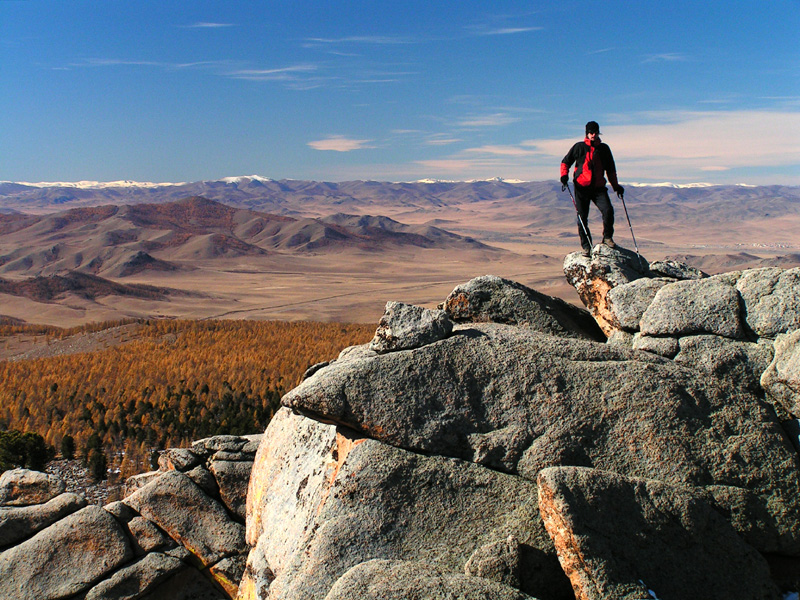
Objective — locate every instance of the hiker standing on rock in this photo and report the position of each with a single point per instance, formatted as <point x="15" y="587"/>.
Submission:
<point x="592" y="158"/>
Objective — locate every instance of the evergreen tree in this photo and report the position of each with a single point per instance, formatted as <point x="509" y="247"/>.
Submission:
<point x="27" y="450"/>
<point x="97" y="463"/>
<point x="68" y="447"/>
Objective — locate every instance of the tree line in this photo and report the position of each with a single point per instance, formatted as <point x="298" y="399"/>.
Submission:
<point x="177" y="382"/>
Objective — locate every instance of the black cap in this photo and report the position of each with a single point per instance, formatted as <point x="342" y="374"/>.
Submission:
<point x="592" y="127"/>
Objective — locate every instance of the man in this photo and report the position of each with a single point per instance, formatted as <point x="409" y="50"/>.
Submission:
<point x="592" y="158"/>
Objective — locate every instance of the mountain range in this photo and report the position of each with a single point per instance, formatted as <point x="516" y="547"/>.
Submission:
<point x="122" y="240"/>
<point x="299" y="197"/>
<point x="259" y="248"/>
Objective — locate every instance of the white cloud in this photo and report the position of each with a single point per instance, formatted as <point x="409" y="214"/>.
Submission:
<point x="683" y="144"/>
<point x="501" y="150"/>
<point x="493" y="120"/>
<point x="666" y="57"/>
<point x="437" y="140"/>
<point x="338" y="143"/>
<point x="509" y="30"/>
<point x="206" y="25"/>
<point x="682" y="147"/>
<point x="280" y="73"/>
<point x="362" y="39"/>
<point x="116" y="62"/>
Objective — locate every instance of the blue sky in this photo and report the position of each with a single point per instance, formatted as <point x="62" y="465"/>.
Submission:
<point x="397" y="91"/>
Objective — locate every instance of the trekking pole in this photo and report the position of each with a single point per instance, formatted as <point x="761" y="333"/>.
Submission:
<point x="577" y="212"/>
<point x="622" y="197"/>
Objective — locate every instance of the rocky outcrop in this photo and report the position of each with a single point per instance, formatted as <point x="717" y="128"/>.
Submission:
<point x="178" y="535"/>
<point x="405" y="326"/>
<point x="517" y="401"/>
<point x="65" y="558"/>
<point x="736" y="325"/>
<point x="19" y="523"/>
<point x="499" y="447"/>
<point x="654" y="473"/>
<point x="497" y="300"/>
<point x="617" y="537"/>
<point x="593" y="277"/>
<point x="23" y="487"/>
<point x="781" y="379"/>
<point x="392" y="579"/>
<point x="342" y="499"/>
<point x="188" y="515"/>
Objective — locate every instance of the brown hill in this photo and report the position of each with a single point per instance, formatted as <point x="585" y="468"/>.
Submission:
<point x="118" y="241"/>
<point x="83" y="285"/>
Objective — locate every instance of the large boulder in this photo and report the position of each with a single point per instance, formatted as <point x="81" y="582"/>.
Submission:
<point x="618" y="537"/>
<point x="232" y="477"/>
<point x="693" y="307"/>
<point x="593" y="277"/>
<point x="382" y="476"/>
<point x="519" y="401"/>
<point x="186" y="584"/>
<point x="394" y="579"/>
<point x="20" y="522"/>
<point x="199" y="523"/>
<point x="135" y="580"/>
<point x="675" y="270"/>
<point x="781" y="379"/>
<point x="66" y="558"/>
<point x="405" y="326"/>
<point x="771" y="300"/>
<point x="23" y="487"/>
<point x="323" y="500"/>
<point x="493" y="299"/>
<point x="737" y="362"/>
<point x="626" y="303"/>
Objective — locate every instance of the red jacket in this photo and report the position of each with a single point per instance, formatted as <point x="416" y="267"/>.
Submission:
<point x="590" y="163"/>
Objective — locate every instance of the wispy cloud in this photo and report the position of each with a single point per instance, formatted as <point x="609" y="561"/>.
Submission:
<point x="380" y="40"/>
<point x="501" y="150"/>
<point x="504" y="24"/>
<point x="490" y="120"/>
<point x="279" y="73"/>
<point x="207" y="25"/>
<point x="116" y="62"/>
<point x="600" y="51"/>
<point x="442" y="140"/>
<point x="667" y="57"/>
<point x="464" y="167"/>
<point x="339" y="143"/>
<point x="507" y="30"/>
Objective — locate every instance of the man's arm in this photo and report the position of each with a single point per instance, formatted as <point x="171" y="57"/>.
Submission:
<point x="566" y="163"/>
<point x="611" y="171"/>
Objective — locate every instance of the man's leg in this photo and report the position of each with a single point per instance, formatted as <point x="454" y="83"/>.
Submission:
<point x="582" y="199"/>
<point x="603" y="202"/>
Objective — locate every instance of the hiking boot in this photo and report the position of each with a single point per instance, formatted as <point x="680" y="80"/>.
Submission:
<point x="609" y="242"/>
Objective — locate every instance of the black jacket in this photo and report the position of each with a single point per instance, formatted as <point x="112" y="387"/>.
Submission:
<point x="590" y="164"/>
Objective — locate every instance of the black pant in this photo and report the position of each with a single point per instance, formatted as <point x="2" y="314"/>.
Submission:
<point x="600" y="198"/>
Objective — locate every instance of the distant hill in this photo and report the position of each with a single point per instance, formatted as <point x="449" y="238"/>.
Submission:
<point x="90" y="287"/>
<point x="289" y="196"/>
<point x="117" y="241"/>
<point x="545" y="204"/>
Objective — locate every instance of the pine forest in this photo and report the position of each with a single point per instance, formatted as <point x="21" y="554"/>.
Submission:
<point x="170" y="383"/>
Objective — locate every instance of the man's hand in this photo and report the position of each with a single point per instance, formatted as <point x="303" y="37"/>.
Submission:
<point x="564" y="180"/>
<point x="620" y="191"/>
